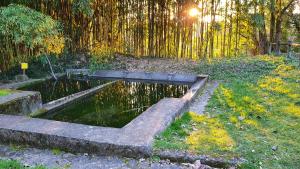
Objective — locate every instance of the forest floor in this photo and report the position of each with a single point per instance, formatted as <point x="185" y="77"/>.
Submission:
<point x="154" y="64"/>
<point x="254" y="114"/>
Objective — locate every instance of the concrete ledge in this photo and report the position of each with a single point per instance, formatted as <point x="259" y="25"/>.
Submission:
<point x="18" y="85"/>
<point x="66" y="136"/>
<point x="154" y="120"/>
<point x="194" y="90"/>
<point x="156" y="76"/>
<point x="78" y="72"/>
<point x="20" y="103"/>
<point x="133" y="140"/>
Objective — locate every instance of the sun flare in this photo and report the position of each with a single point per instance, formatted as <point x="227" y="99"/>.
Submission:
<point x="193" y="12"/>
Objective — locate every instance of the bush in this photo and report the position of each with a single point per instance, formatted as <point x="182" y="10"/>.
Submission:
<point x="26" y="34"/>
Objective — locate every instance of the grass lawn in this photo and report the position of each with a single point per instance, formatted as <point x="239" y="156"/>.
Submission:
<point x="11" y="164"/>
<point x="254" y="114"/>
<point x="4" y="92"/>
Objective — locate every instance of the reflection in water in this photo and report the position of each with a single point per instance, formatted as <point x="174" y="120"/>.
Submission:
<point x="53" y="90"/>
<point x="117" y="104"/>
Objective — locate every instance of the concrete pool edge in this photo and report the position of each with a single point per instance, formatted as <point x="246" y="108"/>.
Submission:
<point x="150" y="76"/>
<point x="133" y="140"/>
<point x="59" y="103"/>
<point x="17" y="85"/>
<point x="20" y="103"/>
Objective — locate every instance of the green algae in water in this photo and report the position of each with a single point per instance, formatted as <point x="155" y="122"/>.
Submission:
<point x="117" y="104"/>
<point x="52" y="90"/>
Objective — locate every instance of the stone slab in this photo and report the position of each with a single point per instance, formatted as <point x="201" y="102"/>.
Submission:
<point x="20" y="103"/>
<point x="18" y="85"/>
<point x="157" y="76"/>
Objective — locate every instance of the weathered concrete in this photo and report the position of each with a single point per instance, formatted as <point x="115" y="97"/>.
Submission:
<point x="20" y="103"/>
<point x="201" y="100"/>
<point x="18" y="85"/>
<point x="133" y="140"/>
<point x="154" y="120"/>
<point x="169" y="77"/>
<point x="62" y="102"/>
<point x="78" y="72"/>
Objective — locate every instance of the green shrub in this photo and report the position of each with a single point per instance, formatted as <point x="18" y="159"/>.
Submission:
<point x="25" y="34"/>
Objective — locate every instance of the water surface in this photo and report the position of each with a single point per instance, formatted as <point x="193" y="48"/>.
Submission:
<point x="53" y="90"/>
<point x="117" y="104"/>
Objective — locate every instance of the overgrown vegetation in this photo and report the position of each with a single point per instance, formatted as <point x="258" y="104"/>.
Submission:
<point x="26" y="34"/>
<point x="38" y="67"/>
<point x="254" y="114"/>
<point x="12" y="164"/>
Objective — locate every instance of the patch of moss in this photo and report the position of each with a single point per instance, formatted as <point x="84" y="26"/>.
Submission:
<point x="16" y="147"/>
<point x="5" y="92"/>
<point x="56" y="151"/>
<point x="12" y="164"/>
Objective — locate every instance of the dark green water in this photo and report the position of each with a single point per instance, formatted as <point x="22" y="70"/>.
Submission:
<point x="53" y="90"/>
<point x="116" y="105"/>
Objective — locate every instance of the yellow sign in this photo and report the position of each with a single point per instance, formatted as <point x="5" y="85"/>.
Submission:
<point x="24" y="66"/>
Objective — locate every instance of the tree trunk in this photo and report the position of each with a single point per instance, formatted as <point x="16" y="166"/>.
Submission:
<point x="272" y="25"/>
<point x="278" y="36"/>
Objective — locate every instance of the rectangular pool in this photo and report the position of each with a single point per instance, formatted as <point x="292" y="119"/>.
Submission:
<point x="117" y="104"/>
<point x="52" y="90"/>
